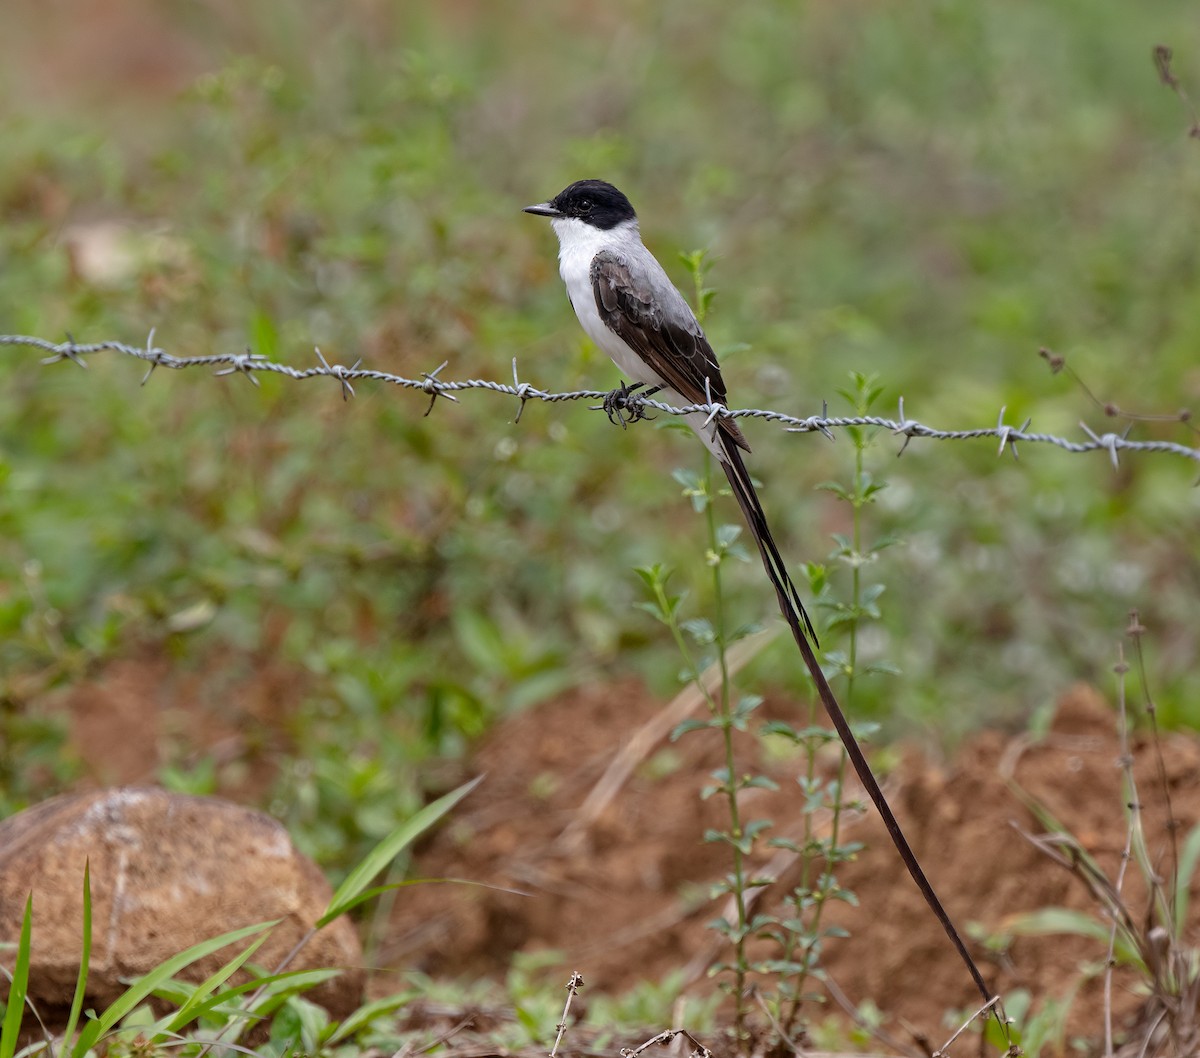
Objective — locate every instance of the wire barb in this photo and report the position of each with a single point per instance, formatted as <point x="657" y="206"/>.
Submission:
<point x="435" y="387"/>
<point x="523" y="390"/>
<point x="250" y="364"/>
<point x="338" y="372"/>
<point x="1108" y="441"/>
<point x="153" y="354"/>
<point x="242" y="363"/>
<point x="1008" y="434"/>
<point x="67" y="351"/>
<point x="717" y="408"/>
<point x="908" y="428"/>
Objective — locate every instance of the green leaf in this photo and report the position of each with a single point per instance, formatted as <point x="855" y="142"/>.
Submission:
<point x="865" y="729"/>
<point x="85" y="955"/>
<point x="18" y="987"/>
<point x="685" y="727"/>
<point x="818" y="577"/>
<point x="1061" y="920"/>
<point x="755" y="827"/>
<point x="368" y="1013"/>
<point x="145" y="986"/>
<point x="1189" y="855"/>
<point x="388" y="849"/>
<point x="757" y="881"/>
<point x="264" y="335"/>
<point x="297" y="980"/>
<point x="747" y="704"/>
<point x="190" y="1009"/>
<point x="312" y="1021"/>
<point x="653" y="576"/>
<point x="814" y="734"/>
<point x="654" y="610"/>
<point x="727" y="534"/>
<point x="480" y="640"/>
<point x="871" y="593"/>
<point x="836" y="488"/>
<point x="784" y="843"/>
<point x="528" y="1020"/>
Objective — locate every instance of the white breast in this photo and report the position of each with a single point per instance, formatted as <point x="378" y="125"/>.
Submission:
<point x="578" y="244"/>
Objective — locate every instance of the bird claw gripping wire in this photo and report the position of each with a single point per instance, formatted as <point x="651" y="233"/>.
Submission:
<point x="620" y="409"/>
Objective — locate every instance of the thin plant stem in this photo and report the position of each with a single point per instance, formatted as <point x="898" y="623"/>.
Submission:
<point x="806" y="865"/>
<point x="825" y="883"/>
<point x="721" y="709"/>
<point x="723" y="712"/>
<point x="1121" y="668"/>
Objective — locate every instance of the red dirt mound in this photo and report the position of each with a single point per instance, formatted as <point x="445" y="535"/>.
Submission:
<point x="623" y="893"/>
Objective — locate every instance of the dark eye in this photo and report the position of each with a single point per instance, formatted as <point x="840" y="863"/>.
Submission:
<point x="585" y="205"/>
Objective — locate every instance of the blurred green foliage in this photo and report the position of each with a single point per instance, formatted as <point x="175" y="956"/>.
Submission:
<point x="925" y="192"/>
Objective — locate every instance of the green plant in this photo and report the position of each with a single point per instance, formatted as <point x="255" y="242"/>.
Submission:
<point x="214" y="1009"/>
<point x="724" y="716"/>
<point x="799" y="933"/>
<point x="1149" y="938"/>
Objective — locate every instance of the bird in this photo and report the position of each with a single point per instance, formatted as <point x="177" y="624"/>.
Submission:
<point x="627" y="304"/>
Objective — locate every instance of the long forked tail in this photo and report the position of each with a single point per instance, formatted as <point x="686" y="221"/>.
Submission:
<point x="794" y="613"/>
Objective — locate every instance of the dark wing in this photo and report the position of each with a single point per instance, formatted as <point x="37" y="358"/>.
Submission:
<point x="676" y="349"/>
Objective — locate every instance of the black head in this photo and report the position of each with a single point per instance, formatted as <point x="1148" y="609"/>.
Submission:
<point x="592" y="201"/>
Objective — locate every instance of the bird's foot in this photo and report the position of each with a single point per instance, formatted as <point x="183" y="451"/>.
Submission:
<point x="618" y="408"/>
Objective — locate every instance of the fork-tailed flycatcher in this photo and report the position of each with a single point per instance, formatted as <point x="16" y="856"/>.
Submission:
<point x="631" y="310"/>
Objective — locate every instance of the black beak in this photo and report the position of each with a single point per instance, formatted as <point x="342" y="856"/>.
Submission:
<point x="543" y="209"/>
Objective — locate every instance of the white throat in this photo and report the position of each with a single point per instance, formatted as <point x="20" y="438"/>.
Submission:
<point x="578" y="244"/>
<point x="577" y="239"/>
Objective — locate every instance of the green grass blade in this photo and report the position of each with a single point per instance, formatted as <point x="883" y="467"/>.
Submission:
<point x="1189" y="855"/>
<point x="364" y="1015"/>
<point x="85" y="956"/>
<point x="1050" y="921"/>
<point x="144" y="986"/>
<point x="377" y="890"/>
<point x="191" y="1008"/>
<point x="301" y="980"/>
<point x="388" y="849"/>
<point x="18" y="988"/>
<point x="263" y="1007"/>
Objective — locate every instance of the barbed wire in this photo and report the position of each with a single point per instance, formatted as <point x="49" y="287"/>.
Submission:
<point x="249" y="364"/>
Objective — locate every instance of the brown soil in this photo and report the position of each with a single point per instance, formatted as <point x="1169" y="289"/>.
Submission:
<point x="625" y="897"/>
<point x="143" y="711"/>
<point x="624" y="894"/>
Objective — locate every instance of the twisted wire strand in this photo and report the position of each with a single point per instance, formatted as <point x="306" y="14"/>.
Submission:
<point x="249" y="364"/>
